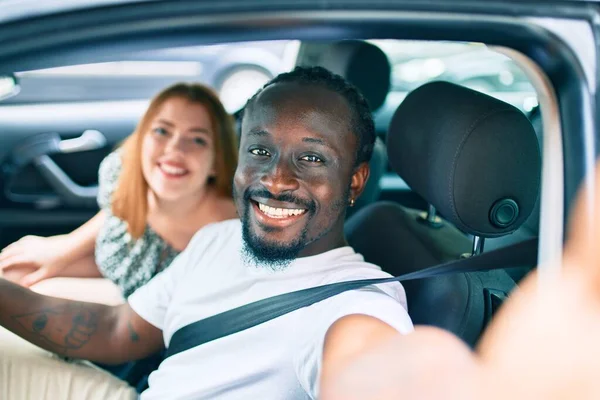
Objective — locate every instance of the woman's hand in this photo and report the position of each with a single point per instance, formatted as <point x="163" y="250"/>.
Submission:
<point x="34" y="258"/>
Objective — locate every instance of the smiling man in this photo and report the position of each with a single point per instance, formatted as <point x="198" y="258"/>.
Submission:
<point x="304" y="158"/>
<point x="307" y="137"/>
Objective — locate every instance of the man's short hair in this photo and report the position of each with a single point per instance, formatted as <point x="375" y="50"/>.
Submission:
<point x="361" y="125"/>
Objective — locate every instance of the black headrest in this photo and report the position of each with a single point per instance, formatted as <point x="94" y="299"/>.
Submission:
<point x="364" y="65"/>
<point x="473" y="157"/>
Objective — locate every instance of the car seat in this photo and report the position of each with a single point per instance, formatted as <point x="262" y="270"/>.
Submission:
<point x="476" y="160"/>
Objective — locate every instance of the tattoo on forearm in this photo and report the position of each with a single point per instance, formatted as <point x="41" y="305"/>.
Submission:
<point x="63" y="328"/>
<point x="132" y="334"/>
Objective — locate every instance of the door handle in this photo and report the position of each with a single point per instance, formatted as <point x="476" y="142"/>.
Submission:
<point x="37" y="150"/>
<point x="90" y="139"/>
<point x="50" y="143"/>
<point x="68" y="191"/>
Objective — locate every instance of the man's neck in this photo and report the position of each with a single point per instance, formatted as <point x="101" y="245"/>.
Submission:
<point x="334" y="239"/>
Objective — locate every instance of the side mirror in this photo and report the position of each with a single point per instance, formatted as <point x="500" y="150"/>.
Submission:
<point x="9" y="86"/>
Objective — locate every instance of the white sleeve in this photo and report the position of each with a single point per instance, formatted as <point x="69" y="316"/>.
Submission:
<point x="368" y="301"/>
<point x="152" y="300"/>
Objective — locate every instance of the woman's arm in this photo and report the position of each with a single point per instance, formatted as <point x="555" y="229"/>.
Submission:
<point x="82" y="243"/>
<point x="34" y="258"/>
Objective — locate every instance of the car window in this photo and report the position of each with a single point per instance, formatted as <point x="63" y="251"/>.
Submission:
<point x="234" y="70"/>
<point x="473" y="65"/>
<point x="237" y="70"/>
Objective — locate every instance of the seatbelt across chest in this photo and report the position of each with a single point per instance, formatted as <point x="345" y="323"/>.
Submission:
<point x="523" y="254"/>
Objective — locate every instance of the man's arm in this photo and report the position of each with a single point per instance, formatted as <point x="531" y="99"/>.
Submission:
<point x="428" y="363"/>
<point x="76" y="329"/>
<point x="350" y="337"/>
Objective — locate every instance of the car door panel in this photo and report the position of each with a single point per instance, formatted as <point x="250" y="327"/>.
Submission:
<point x="49" y="162"/>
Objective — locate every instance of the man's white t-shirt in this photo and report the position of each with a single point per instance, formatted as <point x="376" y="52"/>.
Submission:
<point x="279" y="359"/>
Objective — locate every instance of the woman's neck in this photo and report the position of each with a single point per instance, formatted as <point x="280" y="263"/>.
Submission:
<point x="177" y="221"/>
<point x="180" y="208"/>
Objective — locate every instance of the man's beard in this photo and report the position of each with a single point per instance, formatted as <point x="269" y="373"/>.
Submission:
<point x="272" y="254"/>
<point x="269" y="254"/>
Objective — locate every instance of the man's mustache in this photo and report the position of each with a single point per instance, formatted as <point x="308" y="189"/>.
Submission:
<point x="284" y="197"/>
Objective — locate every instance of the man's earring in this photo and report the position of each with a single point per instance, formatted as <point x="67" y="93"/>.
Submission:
<point x="352" y="202"/>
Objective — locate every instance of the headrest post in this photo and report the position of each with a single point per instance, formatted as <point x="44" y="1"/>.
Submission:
<point x="431" y="211"/>
<point x="478" y="242"/>
<point x="430" y="218"/>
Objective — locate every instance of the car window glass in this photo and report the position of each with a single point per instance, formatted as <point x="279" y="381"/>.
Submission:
<point x="234" y="70"/>
<point x="473" y="65"/>
<point x="237" y="70"/>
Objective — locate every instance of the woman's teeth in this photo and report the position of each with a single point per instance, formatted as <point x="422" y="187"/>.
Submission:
<point x="169" y="169"/>
<point x="279" y="212"/>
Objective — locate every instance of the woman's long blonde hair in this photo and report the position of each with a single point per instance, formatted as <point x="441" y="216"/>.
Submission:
<point x="130" y="199"/>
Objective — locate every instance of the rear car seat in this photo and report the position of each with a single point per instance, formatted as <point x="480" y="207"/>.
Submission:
<point x="476" y="159"/>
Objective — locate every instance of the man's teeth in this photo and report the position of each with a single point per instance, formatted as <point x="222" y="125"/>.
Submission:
<point x="169" y="169"/>
<point x="279" y="212"/>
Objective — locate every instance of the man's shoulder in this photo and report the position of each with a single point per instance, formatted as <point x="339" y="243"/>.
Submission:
<point x="221" y="227"/>
<point x="223" y="232"/>
<point x="353" y="269"/>
<point x="356" y="271"/>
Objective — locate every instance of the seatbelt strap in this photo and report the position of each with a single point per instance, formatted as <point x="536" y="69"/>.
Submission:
<point x="523" y="254"/>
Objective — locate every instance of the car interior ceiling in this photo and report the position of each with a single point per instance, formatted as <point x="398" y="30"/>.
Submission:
<point x="395" y="235"/>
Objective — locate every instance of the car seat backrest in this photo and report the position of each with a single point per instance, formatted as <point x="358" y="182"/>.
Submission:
<point x="410" y="244"/>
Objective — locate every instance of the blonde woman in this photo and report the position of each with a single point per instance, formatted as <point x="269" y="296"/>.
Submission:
<point x="164" y="183"/>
